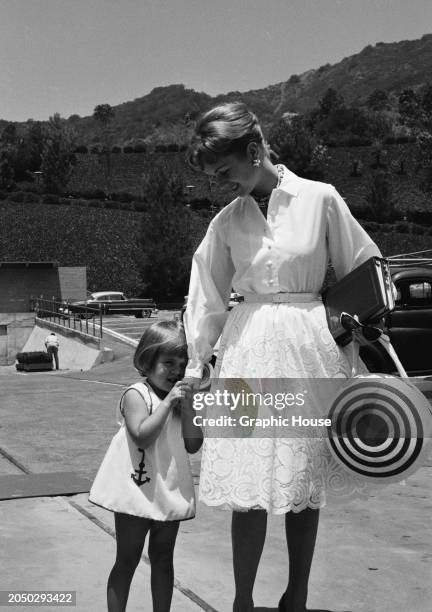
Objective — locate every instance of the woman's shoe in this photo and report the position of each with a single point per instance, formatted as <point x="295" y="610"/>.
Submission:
<point x="281" y="605"/>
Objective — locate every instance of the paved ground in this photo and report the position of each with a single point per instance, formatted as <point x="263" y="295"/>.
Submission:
<point x="132" y="327"/>
<point x="372" y="556"/>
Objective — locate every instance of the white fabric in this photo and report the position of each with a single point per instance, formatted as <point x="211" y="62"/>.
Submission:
<point x="307" y="222"/>
<point x="168" y="495"/>
<point x="280" y="298"/>
<point x="52" y="340"/>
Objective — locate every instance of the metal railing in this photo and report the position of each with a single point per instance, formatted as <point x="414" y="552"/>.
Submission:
<point x="80" y="318"/>
<point x="416" y="258"/>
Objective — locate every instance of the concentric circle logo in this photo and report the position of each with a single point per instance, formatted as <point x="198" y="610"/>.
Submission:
<point x="380" y="428"/>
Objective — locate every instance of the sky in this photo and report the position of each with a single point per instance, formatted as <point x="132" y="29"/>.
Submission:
<point x="67" y="56"/>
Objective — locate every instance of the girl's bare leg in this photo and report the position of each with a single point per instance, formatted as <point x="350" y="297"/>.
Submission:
<point x="248" y="531"/>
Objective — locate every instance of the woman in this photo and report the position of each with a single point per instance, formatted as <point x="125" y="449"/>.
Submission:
<point x="278" y="261"/>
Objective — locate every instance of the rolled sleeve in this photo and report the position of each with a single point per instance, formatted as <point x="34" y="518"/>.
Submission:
<point x="349" y="244"/>
<point x="209" y="289"/>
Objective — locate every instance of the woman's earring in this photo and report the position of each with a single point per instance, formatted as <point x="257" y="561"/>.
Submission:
<point x="256" y="163"/>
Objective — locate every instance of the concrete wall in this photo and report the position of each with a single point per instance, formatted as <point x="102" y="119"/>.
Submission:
<point x="20" y="282"/>
<point x="73" y="282"/>
<point x="15" y="329"/>
<point x="76" y="351"/>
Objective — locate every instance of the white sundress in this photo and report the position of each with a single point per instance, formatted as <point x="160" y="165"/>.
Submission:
<point x="307" y="222"/>
<point x="154" y="483"/>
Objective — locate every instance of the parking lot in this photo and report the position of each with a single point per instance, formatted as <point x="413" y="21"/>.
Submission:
<point x="133" y="328"/>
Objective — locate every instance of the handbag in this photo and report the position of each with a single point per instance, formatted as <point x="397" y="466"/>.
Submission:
<point x="381" y="425"/>
<point x="366" y="293"/>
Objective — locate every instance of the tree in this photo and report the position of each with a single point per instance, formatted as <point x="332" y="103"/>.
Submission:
<point x="299" y="148"/>
<point x="35" y="142"/>
<point x="426" y="100"/>
<point x="57" y="155"/>
<point x="6" y="171"/>
<point x="330" y="102"/>
<point x="423" y="153"/>
<point x="378" y="100"/>
<point x="166" y="241"/>
<point x="9" y="135"/>
<point x="409" y="104"/>
<point x="25" y="152"/>
<point x="380" y="198"/>
<point x="103" y="113"/>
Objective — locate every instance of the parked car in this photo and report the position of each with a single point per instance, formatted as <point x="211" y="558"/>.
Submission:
<point x="111" y="302"/>
<point x="235" y="298"/>
<point x="409" y="325"/>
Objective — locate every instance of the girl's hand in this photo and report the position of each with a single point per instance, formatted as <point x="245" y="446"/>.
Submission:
<point x="181" y="392"/>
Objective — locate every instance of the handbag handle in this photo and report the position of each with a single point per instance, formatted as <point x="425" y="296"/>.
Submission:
<point x="365" y="334"/>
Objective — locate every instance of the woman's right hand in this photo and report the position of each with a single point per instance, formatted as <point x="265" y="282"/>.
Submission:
<point x="193" y="381"/>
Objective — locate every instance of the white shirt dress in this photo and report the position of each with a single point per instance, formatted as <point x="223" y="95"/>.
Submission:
<point x="307" y="223"/>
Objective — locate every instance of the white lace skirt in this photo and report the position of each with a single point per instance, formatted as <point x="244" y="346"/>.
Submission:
<point x="277" y="474"/>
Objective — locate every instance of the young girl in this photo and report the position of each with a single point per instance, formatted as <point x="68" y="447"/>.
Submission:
<point x="145" y="477"/>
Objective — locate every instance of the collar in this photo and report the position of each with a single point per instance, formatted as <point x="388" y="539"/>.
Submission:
<point x="290" y="183"/>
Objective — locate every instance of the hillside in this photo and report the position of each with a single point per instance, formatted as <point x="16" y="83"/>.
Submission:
<point x="388" y="66"/>
<point x="164" y="114"/>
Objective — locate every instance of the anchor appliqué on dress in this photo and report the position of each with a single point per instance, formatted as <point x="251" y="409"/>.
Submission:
<point x="139" y="480"/>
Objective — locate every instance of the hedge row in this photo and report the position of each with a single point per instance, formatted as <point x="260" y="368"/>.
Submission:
<point x="350" y="141"/>
<point x="135" y="148"/>
<point x="96" y="199"/>
<point x="417" y="216"/>
<point x="400" y="227"/>
<point x="416" y="221"/>
<point x="359" y="141"/>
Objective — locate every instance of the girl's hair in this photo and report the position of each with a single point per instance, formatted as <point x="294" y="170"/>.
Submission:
<point x="223" y="130"/>
<point x="161" y="337"/>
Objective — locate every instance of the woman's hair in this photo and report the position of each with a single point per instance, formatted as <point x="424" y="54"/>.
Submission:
<point x="161" y="337"/>
<point x="223" y="130"/>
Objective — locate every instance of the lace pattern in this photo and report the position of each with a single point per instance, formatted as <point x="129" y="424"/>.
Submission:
<point x="276" y="474"/>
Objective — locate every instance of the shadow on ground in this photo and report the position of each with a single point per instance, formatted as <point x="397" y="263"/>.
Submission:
<point x="261" y="609"/>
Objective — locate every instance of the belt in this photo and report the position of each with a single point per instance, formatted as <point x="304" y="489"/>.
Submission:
<point x="281" y="298"/>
